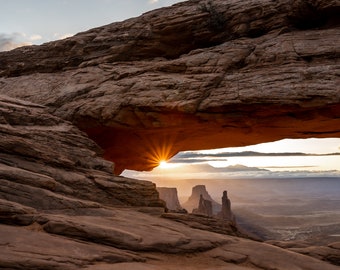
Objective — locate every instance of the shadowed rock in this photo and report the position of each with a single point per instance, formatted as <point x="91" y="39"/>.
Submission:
<point x="239" y="73"/>
<point x="47" y="163"/>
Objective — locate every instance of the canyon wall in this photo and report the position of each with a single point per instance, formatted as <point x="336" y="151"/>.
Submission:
<point x="47" y="163"/>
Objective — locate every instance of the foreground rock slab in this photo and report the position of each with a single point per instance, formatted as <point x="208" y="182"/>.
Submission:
<point x="150" y="242"/>
<point x="30" y="248"/>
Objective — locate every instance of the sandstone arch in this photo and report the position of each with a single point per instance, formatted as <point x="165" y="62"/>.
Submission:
<point x="143" y="91"/>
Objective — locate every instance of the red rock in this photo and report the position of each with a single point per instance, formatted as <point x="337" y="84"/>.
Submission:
<point x="191" y="76"/>
<point x="239" y="73"/>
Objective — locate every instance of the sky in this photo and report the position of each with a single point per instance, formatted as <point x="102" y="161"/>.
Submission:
<point x="288" y="158"/>
<point x="28" y="22"/>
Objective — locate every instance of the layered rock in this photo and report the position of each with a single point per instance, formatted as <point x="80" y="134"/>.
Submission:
<point x="47" y="163"/>
<point x="169" y="195"/>
<point x="62" y="208"/>
<point x="330" y="253"/>
<point x="239" y="73"/>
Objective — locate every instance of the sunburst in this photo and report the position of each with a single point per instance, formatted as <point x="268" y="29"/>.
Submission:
<point x="160" y="151"/>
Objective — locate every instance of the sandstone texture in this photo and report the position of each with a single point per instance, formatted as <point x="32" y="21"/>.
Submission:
<point x="197" y="75"/>
<point x="61" y="207"/>
<point x="330" y="253"/>
<point x="47" y="163"/>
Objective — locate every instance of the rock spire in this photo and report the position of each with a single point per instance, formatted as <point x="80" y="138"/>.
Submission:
<point x="226" y="213"/>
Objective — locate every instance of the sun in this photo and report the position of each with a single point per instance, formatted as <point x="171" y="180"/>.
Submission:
<point x="163" y="164"/>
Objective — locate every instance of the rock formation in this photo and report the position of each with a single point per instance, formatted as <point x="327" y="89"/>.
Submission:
<point x="194" y="199"/>
<point x="330" y="253"/>
<point x="47" y="163"/>
<point x="240" y="72"/>
<point x="169" y="195"/>
<point x="204" y="207"/>
<point x="226" y="213"/>
<point x="62" y="208"/>
<point x="198" y="75"/>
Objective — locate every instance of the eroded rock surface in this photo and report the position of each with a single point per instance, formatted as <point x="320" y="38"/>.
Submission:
<point x="241" y="72"/>
<point x="197" y="75"/>
<point x="50" y="160"/>
<point x="330" y="253"/>
<point x="61" y="207"/>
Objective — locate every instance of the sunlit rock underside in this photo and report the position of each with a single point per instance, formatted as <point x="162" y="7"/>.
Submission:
<point x="197" y="75"/>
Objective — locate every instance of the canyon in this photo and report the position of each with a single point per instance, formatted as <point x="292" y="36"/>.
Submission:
<point x="77" y="112"/>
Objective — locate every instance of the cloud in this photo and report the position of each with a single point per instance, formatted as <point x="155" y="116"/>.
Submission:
<point x="290" y="167"/>
<point x="35" y="37"/>
<point x="232" y="168"/>
<point x="195" y="157"/>
<point x="205" y="171"/>
<point x="153" y="1"/>
<point x="191" y="160"/>
<point x="62" y="36"/>
<point x="199" y="171"/>
<point x="11" y="41"/>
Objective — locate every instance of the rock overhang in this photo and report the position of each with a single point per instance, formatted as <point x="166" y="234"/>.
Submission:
<point x="173" y="80"/>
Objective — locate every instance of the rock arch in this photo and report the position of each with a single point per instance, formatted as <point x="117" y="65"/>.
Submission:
<point x="147" y="88"/>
